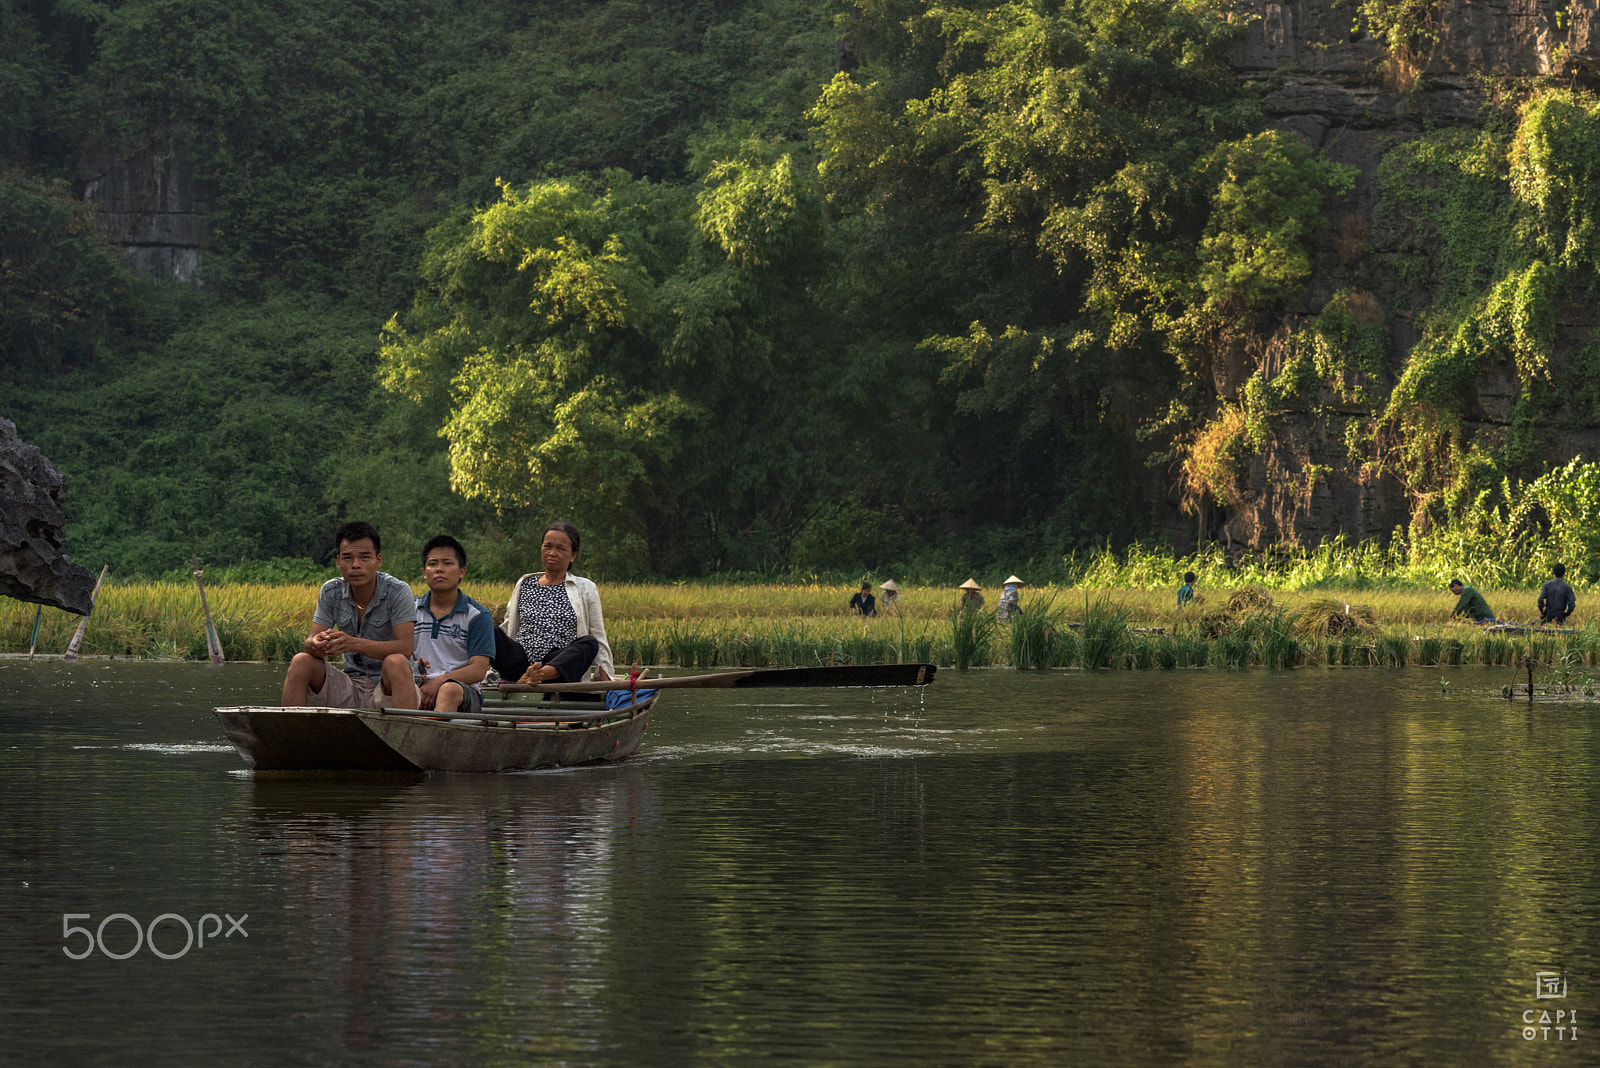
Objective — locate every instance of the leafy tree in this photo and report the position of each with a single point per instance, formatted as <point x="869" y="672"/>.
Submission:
<point x="334" y="137"/>
<point x="1561" y="509"/>
<point x="1098" y="179"/>
<point x="984" y="294"/>
<point x="631" y="354"/>
<point x="536" y="324"/>
<point x="1270" y="190"/>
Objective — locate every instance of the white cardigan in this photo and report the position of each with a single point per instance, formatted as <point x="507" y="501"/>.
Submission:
<point x="585" y="598"/>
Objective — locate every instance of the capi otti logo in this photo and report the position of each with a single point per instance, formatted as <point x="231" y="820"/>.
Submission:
<point x="1539" y="1024"/>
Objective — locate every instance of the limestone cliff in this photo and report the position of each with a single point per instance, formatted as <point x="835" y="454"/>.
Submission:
<point x="156" y="205"/>
<point x="1344" y="91"/>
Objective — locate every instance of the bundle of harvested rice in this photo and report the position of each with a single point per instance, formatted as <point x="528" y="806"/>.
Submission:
<point x="1251" y="598"/>
<point x="1215" y="624"/>
<point x="1334" y="619"/>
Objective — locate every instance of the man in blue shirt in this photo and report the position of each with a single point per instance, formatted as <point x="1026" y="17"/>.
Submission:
<point x="455" y="634"/>
<point x="366" y="616"/>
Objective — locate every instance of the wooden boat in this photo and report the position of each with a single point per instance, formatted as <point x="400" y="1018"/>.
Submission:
<point x="521" y="726"/>
<point x="512" y="733"/>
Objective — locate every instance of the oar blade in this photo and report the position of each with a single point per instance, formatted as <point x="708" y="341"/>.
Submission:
<point x="859" y="675"/>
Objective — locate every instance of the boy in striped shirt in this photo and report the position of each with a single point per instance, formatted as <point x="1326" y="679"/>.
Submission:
<point x="454" y="634"/>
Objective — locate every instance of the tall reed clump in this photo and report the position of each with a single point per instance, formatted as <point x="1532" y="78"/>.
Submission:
<point x="1276" y="639"/>
<point x="1034" y="636"/>
<point x="1069" y="647"/>
<point x="1234" y="647"/>
<point x="912" y="648"/>
<point x="688" y="646"/>
<point x="970" y="632"/>
<point x="1143" y="651"/>
<point x="1393" y="650"/>
<point x="1103" y="639"/>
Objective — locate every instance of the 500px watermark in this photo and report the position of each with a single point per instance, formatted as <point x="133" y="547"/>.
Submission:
<point x="146" y="936"/>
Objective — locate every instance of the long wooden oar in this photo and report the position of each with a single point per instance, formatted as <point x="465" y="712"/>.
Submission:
<point x="213" y="643"/>
<point x="864" y="675"/>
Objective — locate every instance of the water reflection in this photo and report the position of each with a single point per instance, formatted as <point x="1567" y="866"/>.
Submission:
<point x="471" y="904"/>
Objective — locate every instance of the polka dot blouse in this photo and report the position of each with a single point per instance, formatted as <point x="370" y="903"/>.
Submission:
<point x="545" y="620"/>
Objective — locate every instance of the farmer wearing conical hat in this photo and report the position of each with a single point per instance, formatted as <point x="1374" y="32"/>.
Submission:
<point x="891" y="595"/>
<point x="971" y="596"/>
<point x="1010" y="599"/>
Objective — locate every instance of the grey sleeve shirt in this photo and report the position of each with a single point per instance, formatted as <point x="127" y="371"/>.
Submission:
<point x="392" y="602"/>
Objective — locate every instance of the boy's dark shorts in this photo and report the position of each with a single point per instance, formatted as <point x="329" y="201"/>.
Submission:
<point x="471" y="697"/>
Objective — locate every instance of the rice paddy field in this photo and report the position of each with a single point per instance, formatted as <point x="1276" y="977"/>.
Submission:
<point x="722" y="626"/>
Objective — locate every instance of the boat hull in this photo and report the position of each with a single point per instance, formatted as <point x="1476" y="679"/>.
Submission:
<point x="344" y="739"/>
<point x="308" y="739"/>
<point x="471" y="746"/>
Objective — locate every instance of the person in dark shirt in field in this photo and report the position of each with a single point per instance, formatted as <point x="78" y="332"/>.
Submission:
<point x="1556" y="599"/>
<point x="1470" y="603"/>
<point x="863" y="603"/>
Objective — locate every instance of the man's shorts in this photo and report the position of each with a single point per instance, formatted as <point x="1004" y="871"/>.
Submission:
<point x="363" y="691"/>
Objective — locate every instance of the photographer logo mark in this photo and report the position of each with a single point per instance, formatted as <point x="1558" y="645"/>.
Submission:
<point x="1543" y="1024"/>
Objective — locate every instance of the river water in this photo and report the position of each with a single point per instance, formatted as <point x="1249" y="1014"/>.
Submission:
<point x="1210" y="868"/>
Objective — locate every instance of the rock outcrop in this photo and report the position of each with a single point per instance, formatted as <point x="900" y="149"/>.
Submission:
<point x="34" y="565"/>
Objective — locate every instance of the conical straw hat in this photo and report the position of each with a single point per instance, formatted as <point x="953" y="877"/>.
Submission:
<point x="969" y="585"/>
<point x="889" y="586"/>
<point x="1012" y="579"/>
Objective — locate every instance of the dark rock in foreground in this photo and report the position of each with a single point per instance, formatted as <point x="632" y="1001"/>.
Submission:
<point x="34" y="565"/>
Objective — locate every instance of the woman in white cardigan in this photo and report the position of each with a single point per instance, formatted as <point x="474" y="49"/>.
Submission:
<point x="553" y="620"/>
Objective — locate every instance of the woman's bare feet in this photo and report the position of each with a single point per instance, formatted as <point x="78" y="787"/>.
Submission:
<point x="538" y="673"/>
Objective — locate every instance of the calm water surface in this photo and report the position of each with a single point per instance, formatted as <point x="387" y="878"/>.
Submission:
<point x="1323" y="867"/>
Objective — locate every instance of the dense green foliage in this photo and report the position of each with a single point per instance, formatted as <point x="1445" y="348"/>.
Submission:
<point x="1491" y="256"/>
<point x="606" y="352"/>
<point x="747" y="285"/>
<point x="1511" y="215"/>
<point x="243" y="421"/>
<point x="58" y="277"/>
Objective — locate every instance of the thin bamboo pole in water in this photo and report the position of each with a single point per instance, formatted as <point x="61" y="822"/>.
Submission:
<point x="83" y="624"/>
